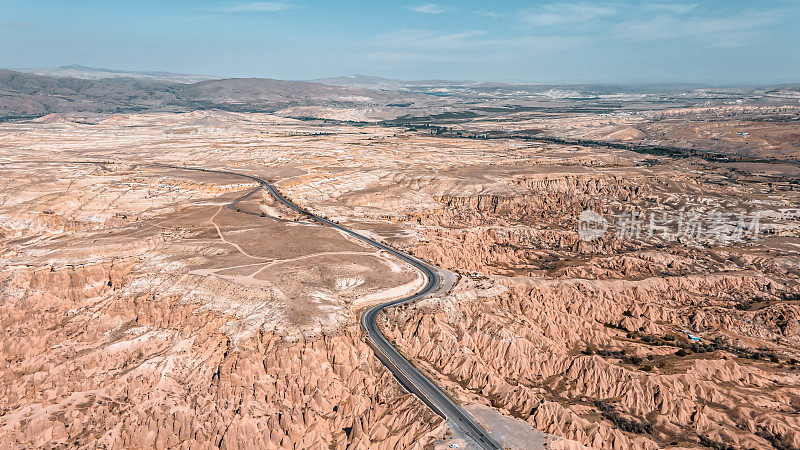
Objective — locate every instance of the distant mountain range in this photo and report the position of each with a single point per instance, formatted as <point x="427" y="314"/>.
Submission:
<point x="90" y="90"/>
<point x="25" y="95"/>
<point x="95" y="73"/>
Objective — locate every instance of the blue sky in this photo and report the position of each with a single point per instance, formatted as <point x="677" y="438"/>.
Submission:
<point x="718" y="41"/>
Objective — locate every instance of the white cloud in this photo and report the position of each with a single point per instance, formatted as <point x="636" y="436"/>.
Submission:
<point x="257" y="7"/>
<point x="429" y="40"/>
<point x="464" y="48"/>
<point x="427" y="45"/>
<point x="663" y="20"/>
<point x="730" y="31"/>
<point x="485" y="13"/>
<point x="674" y="8"/>
<point x="429" y="8"/>
<point x="538" y="44"/>
<point x="19" y="24"/>
<point x="556" y="14"/>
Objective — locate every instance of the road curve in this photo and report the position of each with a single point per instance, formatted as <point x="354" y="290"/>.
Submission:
<point x="409" y="376"/>
<point x="405" y="372"/>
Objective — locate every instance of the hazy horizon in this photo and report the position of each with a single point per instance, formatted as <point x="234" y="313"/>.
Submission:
<point x="559" y="42"/>
<point x="508" y="81"/>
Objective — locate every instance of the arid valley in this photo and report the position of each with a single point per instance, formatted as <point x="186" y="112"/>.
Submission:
<point x="149" y="304"/>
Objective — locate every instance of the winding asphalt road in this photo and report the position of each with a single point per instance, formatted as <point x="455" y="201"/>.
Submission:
<point x="405" y="372"/>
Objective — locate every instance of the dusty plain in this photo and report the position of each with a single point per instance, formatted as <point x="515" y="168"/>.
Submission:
<point x="138" y="310"/>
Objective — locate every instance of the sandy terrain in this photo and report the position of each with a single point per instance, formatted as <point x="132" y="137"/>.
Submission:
<point x="139" y="310"/>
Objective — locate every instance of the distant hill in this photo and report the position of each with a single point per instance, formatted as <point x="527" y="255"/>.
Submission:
<point x="362" y="81"/>
<point x="254" y="90"/>
<point x="25" y="95"/>
<point x="357" y="97"/>
<point x="95" y="73"/>
<point x="389" y="84"/>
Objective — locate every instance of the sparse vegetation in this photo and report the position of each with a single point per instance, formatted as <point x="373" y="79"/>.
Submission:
<point x="632" y="360"/>
<point x="707" y="442"/>
<point x="627" y="424"/>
